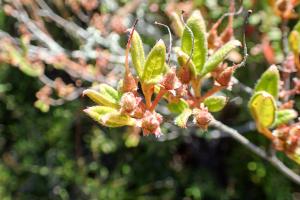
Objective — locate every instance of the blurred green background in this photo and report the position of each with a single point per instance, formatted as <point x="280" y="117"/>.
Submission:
<point x="62" y="154"/>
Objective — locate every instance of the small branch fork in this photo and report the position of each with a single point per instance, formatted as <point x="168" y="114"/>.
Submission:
<point x="257" y="150"/>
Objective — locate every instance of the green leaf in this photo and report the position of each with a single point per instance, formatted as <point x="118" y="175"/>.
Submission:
<point x="182" y="119"/>
<point x="297" y="27"/>
<point x="263" y="108"/>
<point x="294" y="41"/>
<point x="177" y="24"/>
<point x="104" y="94"/>
<point x="284" y="116"/>
<point x="219" y="56"/>
<point x="182" y="59"/>
<point x="215" y="103"/>
<point x="155" y="64"/>
<point x="197" y="26"/>
<point x="269" y="82"/>
<point x="178" y="107"/>
<point x="137" y="53"/>
<point x="109" y="117"/>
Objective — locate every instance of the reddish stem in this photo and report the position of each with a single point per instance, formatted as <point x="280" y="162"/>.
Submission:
<point x="210" y="92"/>
<point x="265" y="131"/>
<point x="160" y="94"/>
<point x="196" y="85"/>
<point x="148" y="91"/>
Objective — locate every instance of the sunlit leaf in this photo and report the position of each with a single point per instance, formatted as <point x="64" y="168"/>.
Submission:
<point x="294" y="41"/>
<point x="155" y="63"/>
<point x="178" y="107"/>
<point x="219" y="56"/>
<point x="197" y="26"/>
<point x="263" y="108"/>
<point x="183" y="117"/>
<point x="182" y="59"/>
<point x="104" y="94"/>
<point x="177" y="24"/>
<point x="137" y="53"/>
<point x="215" y="103"/>
<point x="269" y="82"/>
<point x="109" y="117"/>
<point x="284" y="116"/>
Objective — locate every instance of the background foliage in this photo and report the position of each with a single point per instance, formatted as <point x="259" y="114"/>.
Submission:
<point x="61" y="154"/>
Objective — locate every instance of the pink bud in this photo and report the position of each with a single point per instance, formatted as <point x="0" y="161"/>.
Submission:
<point x="151" y="123"/>
<point x="224" y="77"/>
<point x="170" y="80"/>
<point x="202" y="117"/>
<point x="129" y="83"/>
<point x="129" y="102"/>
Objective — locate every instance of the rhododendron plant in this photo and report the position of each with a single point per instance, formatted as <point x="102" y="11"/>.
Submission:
<point x="177" y="84"/>
<point x="133" y="75"/>
<point x="202" y="56"/>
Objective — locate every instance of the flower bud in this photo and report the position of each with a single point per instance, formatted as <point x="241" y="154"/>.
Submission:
<point x="202" y="117"/>
<point x="281" y="132"/>
<point x="151" y="123"/>
<point x="224" y="77"/>
<point x="292" y="141"/>
<point x="184" y="74"/>
<point x="295" y="130"/>
<point x="181" y="91"/>
<point x="129" y="84"/>
<point x="170" y="80"/>
<point x="129" y="102"/>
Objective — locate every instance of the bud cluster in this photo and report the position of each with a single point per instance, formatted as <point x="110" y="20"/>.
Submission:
<point x="135" y="102"/>
<point x="287" y="139"/>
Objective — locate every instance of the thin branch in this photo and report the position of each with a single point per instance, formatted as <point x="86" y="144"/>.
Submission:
<point x="216" y="25"/>
<point x="215" y="89"/>
<point x="244" y="40"/>
<point x="57" y="102"/>
<point x="70" y="27"/>
<point x="22" y="16"/>
<point x="241" y="86"/>
<point x="160" y="94"/>
<point x="258" y="151"/>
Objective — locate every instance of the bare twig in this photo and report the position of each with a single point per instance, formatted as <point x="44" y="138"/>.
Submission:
<point x="70" y="27"/>
<point x="244" y="40"/>
<point x="57" y="102"/>
<point x="22" y="16"/>
<point x="242" y="87"/>
<point x="228" y="15"/>
<point x="258" y="151"/>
